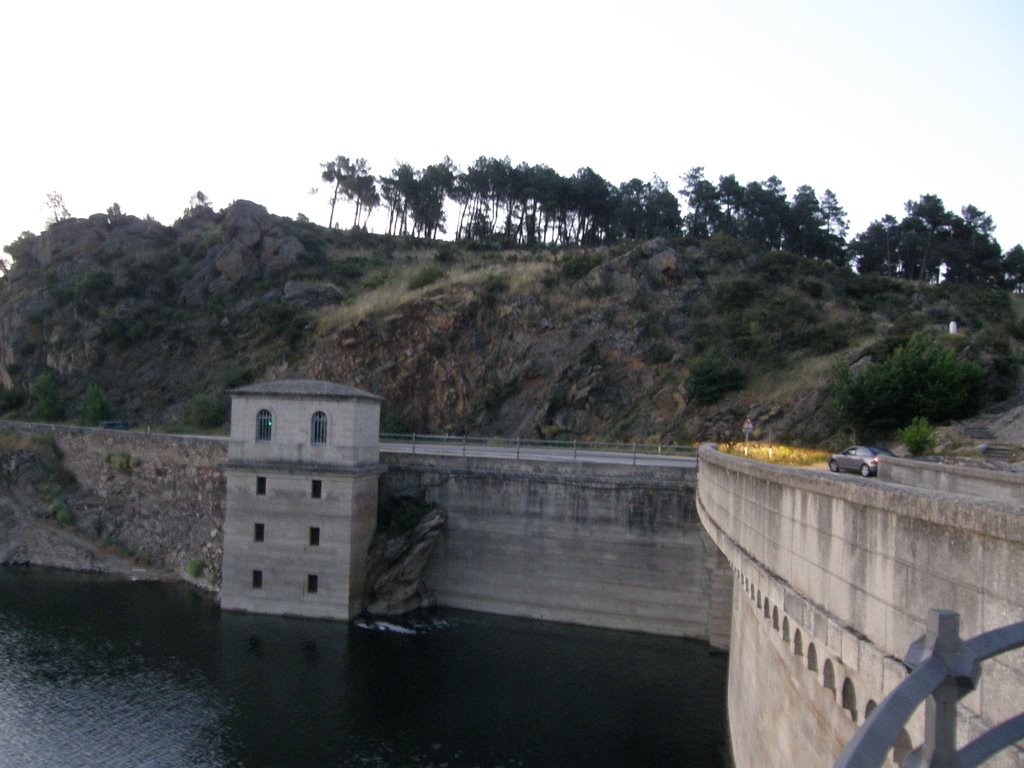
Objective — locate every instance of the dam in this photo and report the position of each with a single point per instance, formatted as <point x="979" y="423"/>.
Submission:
<point x="816" y="585"/>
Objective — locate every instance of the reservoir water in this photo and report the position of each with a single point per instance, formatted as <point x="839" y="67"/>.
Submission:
<point x="101" y="672"/>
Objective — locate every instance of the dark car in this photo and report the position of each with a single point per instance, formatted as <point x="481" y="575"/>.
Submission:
<point x="858" y="458"/>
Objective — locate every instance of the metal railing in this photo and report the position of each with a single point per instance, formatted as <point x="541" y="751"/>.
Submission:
<point x="944" y="669"/>
<point x="575" y="449"/>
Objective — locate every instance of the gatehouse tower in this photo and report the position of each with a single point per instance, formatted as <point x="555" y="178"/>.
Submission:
<point x="301" y="498"/>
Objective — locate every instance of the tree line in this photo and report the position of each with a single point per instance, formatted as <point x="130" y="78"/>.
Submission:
<point x="511" y="204"/>
<point x="529" y="205"/>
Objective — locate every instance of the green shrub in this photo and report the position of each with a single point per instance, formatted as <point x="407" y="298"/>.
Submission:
<point x="276" y="316"/>
<point x="495" y="284"/>
<point x="92" y="289"/>
<point x="11" y="399"/>
<point x="577" y="265"/>
<point x="121" y="462"/>
<point x="425" y="276"/>
<point x="195" y="568"/>
<point x="918" y="436"/>
<point x="118" y="546"/>
<point x="212" y="235"/>
<point x="61" y="512"/>
<point x="47" y="400"/>
<point x="401" y="515"/>
<point x="94" y="406"/>
<point x="710" y="378"/>
<point x="921" y="378"/>
<point x="206" y="411"/>
<point x="660" y="352"/>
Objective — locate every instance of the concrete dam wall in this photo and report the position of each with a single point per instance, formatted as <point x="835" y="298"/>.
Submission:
<point x="834" y="578"/>
<point x="597" y="544"/>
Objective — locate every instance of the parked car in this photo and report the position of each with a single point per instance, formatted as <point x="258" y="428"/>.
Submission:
<point x="858" y="458"/>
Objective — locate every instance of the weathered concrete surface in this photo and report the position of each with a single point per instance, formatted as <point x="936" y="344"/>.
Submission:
<point x="785" y="712"/>
<point x="854" y="566"/>
<point x="951" y="478"/>
<point x="602" y="545"/>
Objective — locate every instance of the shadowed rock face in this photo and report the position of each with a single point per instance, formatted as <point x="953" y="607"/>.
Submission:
<point x="395" y="568"/>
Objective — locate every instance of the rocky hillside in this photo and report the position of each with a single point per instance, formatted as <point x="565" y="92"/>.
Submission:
<point x="597" y="344"/>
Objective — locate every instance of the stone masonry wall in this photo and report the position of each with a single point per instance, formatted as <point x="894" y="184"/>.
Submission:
<point x="161" y="497"/>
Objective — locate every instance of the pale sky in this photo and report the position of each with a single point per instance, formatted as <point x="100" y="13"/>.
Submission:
<point x="144" y="103"/>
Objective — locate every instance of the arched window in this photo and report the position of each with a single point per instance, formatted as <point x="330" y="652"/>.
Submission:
<point x="785" y="629"/>
<point x="264" y="426"/>
<point x="812" y="658"/>
<point x="318" y="428"/>
<point x="829" y="677"/>
<point x="798" y="643"/>
<point x="775" y="617"/>
<point x="902" y="747"/>
<point x="850" y="698"/>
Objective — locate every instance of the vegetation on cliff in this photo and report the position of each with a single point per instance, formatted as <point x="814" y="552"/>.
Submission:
<point x="499" y="203"/>
<point x="668" y="339"/>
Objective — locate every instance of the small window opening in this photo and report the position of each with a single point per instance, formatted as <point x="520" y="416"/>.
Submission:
<point x="264" y="426"/>
<point x="257" y="532"/>
<point x="257" y="579"/>
<point x="902" y="747"/>
<point x="312" y="584"/>
<point x="314" y="536"/>
<point x="828" y="679"/>
<point x="316" y="489"/>
<point x="318" y="428"/>
<point x="261" y="486"/>
<point x="849" y="698"/>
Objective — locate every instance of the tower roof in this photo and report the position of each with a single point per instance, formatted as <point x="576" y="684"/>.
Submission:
<point x="305" y="388"/>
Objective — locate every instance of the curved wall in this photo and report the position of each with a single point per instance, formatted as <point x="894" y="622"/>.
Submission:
<point x="852" y="567"/>
<point x="603" y="545"/>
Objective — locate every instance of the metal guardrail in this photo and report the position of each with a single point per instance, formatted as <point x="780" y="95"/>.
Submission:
<point x="944" y="669"/>
<point x="463" y="444"/>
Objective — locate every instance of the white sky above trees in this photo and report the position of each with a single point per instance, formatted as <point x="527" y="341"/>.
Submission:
<point x="144" y="103"/>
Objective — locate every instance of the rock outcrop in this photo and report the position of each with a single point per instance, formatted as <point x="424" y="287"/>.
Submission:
<point x="395" y="568"/>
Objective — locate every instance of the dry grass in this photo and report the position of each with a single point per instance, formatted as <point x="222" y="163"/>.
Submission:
<point x="786" y="384"/>
<point x="14" y="441"/>
<point x="776" y="454"/>
<point x="520" y="277"/>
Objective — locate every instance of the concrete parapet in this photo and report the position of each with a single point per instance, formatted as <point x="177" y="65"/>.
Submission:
<point x="952" y="478"/>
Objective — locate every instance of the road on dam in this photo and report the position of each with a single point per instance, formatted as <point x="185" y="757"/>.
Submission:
<point x="644" y="456"/>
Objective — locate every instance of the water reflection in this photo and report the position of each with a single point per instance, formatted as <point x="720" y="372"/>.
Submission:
<point x="101" y="672"/>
